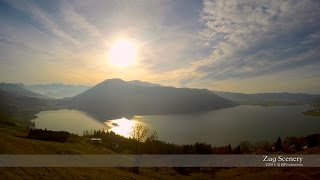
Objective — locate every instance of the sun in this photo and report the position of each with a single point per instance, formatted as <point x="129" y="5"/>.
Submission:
<point x="123" y="53"/>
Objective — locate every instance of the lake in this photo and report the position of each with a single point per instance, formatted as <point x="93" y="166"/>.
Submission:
<point x="218" y="127"/>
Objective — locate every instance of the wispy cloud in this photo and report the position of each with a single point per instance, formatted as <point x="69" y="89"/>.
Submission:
<point x="256" y="37"/>
<point x="77" y="21"/>
<point x="41" y="17"/>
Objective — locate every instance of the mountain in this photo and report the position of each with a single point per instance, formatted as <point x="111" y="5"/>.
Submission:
<point x="57" y="90"/>
<point x="18" y="107"/>
<point x="116" y="98"/>
<point x="268" y="99"/>
<point x="20" y="89"/>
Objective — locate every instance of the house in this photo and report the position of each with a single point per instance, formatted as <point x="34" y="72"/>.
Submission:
<point x="95" y="140"/>
<point x="292" y="146"/>
<point x="305" y="147"/>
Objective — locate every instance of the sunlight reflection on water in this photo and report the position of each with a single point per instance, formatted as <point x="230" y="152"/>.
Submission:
<point x="122" y="126"/>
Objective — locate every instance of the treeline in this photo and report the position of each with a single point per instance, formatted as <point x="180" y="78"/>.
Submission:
<point x="48" y="135"/>
<point x="6" y="122"/>
<point x="152" y="145"/>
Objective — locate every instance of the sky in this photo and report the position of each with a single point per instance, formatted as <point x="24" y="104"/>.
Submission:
<point x="239" y="46"/>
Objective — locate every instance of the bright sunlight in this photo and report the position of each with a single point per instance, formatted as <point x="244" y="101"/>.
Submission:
<point x="123" y="53"/>
<point x="122" y="126"/>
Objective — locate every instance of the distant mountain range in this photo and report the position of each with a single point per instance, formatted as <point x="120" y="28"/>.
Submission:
<point x="115" y="98"/>
<point x="269" y="99"/>
<point x="20" y="89"/>
<point x="57" y="90"/>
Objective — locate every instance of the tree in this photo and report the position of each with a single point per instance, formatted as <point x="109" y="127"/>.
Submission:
<point x="279" y="144"/>
<point x="263" y="145"/>
<point x="238" y="150"/>
<point x="139" y="133"/>
<point x="153" y="136"/>
<point x="151" y="144"/>
<point x="246" y="147"/>
<point x="229" y="148"/>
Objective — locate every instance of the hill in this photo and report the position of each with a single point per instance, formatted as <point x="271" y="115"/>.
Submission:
<point x="268" y="99"/>
<point x="19" y="109"/>
<point x="20" y="89"/>
<point x="57" y="90"/>
<point x="116" y="98"/>
<point x="12" y="143"/>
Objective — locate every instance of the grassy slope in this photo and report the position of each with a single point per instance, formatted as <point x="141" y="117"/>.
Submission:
<point x="11" y="144"/>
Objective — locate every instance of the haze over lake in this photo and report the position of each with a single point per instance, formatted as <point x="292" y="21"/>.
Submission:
<point x="218" y="127"/>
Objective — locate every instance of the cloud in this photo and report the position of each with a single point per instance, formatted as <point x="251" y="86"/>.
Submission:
<point x="77" y="21"/>
<point x="252" y="38"/>
<point x="294" y="80"/>
<point x="255" y="39"/>
<point x="43" y="18"/>
<point x="181" y="43"/>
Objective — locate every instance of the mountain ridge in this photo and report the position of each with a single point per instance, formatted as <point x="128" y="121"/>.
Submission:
<point x="269" y="99"/>
<point x="57" y="90"/>
<point x="116" y="98"/>
<point x="20" y="89"/>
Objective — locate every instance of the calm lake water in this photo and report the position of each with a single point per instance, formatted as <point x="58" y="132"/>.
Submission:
<point x="219" y="127"/>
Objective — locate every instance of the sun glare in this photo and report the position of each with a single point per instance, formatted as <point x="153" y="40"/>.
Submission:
<point x="123" y="53"/>
<point x="122" y="126"/>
